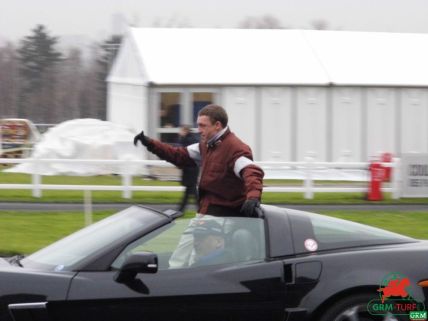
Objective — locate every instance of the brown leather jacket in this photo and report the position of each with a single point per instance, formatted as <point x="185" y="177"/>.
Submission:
<point x="228" y="174"/>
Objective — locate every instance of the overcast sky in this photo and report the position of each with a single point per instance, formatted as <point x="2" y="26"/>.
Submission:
<point x="98" y="18"/>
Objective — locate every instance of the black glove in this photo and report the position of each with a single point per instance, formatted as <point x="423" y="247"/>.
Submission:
<point x="250" y="207"/>
<point x="143" y="139"/>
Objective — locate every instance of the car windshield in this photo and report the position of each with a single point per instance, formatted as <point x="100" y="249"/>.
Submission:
<point x="63" y="254"/>
<point x="327" y="233"/>
<point x="201" y="241"/>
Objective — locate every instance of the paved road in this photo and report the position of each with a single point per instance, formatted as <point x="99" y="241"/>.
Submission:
<point x="115" y="206"/>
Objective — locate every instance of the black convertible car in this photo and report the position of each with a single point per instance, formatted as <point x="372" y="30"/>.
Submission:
<point x="140" y="264"/>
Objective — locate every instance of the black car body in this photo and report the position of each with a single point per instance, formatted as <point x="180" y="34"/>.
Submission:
<point x="140" y="264"/>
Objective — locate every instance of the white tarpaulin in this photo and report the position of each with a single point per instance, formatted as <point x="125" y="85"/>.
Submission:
<point x="83" y="139"/>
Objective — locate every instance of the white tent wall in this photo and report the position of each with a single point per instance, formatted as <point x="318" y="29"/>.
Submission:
<point x="346" y="124"/>
<point x="289" y="123"/>
<point x="311" y="131"/>
<point x="240" y="104"/>
<point x="414" y="120"/>
<point x="276" y="123"/>
<point x="334" y="95"/>
<point x="381" y="113"/>
<point x="127" y="97"/>
<point x="130" y="103"/>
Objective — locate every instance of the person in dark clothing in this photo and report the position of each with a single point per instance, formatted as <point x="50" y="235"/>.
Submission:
<point x="189" y="176"/>
<point x="231" y="183"/>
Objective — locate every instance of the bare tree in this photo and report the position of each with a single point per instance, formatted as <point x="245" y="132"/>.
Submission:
<point x="320" y="24"/>
<point x="172" y="22"/>
<point x="105" y="56"/>
<point x="92" y="102"/>
<point x="263" y="22"/>
<point x="69" y="85"/>
<point x="46" y="86"/>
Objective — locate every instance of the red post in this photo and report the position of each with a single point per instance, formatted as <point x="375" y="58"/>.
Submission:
<point x="377" y="174"/>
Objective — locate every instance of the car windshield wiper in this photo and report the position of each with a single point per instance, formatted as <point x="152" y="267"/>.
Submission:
<point x="16" y="260"/>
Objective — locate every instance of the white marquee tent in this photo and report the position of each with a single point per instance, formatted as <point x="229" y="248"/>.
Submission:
<point x="334" y="95"/>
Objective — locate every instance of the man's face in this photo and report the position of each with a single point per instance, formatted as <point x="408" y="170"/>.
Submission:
<point x="206" y="244"/>
<point x="207" y="129"/>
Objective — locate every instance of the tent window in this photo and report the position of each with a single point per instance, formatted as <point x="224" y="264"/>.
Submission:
<point x="177" y="108"/>
<point x="199" y="100"/>
<point x="170" y="110"/>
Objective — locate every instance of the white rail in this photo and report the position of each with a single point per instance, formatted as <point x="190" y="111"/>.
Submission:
<point x="308" y="187"/>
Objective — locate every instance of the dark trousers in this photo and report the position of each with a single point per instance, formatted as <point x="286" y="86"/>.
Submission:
<point x="190" y="190"/>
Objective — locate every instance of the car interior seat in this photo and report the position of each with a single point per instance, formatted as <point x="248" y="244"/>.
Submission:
<point x="244" y="245"/>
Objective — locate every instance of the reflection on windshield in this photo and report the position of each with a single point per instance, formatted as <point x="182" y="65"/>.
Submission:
<point x="202" y="241"/>
<point x="62" y="255"/>
<point x="332" y="233"/>
<point x="325" y="226"/>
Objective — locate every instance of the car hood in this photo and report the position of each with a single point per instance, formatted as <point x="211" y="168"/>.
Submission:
<point x="18" y="284"/>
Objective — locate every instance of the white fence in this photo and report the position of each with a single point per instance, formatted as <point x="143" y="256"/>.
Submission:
<point x="308" y="167"/>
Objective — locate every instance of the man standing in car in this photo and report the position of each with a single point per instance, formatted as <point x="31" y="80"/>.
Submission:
<point x="231" y="183"/>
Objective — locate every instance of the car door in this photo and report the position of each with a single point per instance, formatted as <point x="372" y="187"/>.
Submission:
<point x="247" y="287"/>
<point x="252" y="291"/>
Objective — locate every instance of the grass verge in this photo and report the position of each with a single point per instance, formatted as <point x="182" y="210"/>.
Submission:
<point x="412" y="224"/>
<point x="26" y="232"/>
<point x="174" y="198"/>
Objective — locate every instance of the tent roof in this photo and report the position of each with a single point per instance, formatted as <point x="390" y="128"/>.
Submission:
<point x="372" y="58"/>
<point x="171" y="56"/>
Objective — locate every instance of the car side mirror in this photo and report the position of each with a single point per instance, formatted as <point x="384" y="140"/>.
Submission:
<point x="142" y="262"/>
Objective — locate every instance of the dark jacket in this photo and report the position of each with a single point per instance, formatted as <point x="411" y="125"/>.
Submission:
<point x="190" y="174"/>
<point x="228" y="174"/>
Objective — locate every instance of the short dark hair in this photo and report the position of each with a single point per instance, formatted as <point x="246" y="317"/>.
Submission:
<point x="214" y="113"/>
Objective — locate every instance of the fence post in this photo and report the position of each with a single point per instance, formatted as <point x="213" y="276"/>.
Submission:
<point x="126" y="182"/>
<point x="87" y="204"/>
<point x="126" y="177"/>
<point x="309" y="183"/>
<point x="396" y="178"/>
<point x="36" y="178"/>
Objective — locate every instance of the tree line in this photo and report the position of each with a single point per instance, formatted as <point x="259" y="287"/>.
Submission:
<point x="45" y="85"/>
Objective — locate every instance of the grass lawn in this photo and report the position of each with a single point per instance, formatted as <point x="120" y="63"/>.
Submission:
<point x="174" y="197"/>
<point x="412" y="224"/>
<point x="26" y="232"/>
